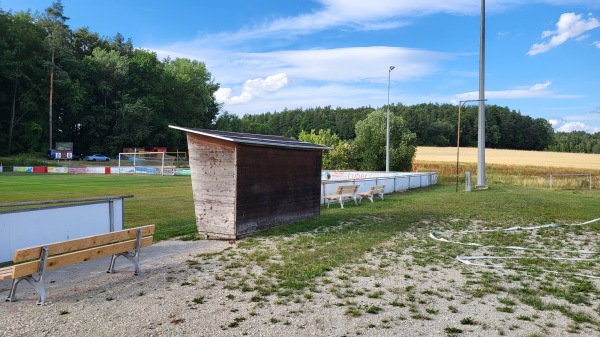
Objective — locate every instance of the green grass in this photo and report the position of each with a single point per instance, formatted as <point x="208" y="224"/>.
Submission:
<point x="371" y="225"/>
<point x="164" y="201"/>
<point x="294" y="259"/>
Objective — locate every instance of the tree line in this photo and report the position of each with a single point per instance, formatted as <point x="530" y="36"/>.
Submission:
<point x="103" y="94"/>
<point x="576" y="141"/>
<point x="433" y="124"/>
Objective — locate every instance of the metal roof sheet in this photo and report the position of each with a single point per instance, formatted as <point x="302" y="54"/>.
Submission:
<point x="254" y="139"/>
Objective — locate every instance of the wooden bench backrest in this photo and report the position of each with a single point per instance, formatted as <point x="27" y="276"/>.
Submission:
<point x="347" y="189"/>
<point x="80" y="250"/>
<point x="58" y="248"/>
<point x="377" y="189"/>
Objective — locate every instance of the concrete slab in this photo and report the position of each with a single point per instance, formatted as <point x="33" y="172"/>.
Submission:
<point x="154" y="260"/>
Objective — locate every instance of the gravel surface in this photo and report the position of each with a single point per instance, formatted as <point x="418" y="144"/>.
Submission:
<point x="186" y="290"/>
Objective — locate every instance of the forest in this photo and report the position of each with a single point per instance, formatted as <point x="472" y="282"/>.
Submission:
<point x="103" y="94"/>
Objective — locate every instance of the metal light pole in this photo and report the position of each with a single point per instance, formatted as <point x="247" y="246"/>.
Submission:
<point x="460" y="105"/>
<point x="481" y="181"/>
<point x="387" y="130"/>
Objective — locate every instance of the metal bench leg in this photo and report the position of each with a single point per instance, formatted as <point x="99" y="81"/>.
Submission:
<point x="133" y="257"/>
<point x="341" y="202"/>
<point x="38" y="284"/>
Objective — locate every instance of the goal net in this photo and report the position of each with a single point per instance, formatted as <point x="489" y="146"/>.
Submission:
<point x="146" y="163"/>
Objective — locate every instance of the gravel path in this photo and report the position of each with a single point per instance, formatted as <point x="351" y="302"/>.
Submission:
<point x="185" y="290"/>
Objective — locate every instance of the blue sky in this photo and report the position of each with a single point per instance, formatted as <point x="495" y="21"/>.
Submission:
<point x="542" y="56"/>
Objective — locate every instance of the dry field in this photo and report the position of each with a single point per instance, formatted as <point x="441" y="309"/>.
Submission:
<point x="513" y="167"/>
<point x="511" y="157"/>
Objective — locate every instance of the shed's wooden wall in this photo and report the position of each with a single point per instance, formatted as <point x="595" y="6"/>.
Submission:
<point x="276" y="186"/>
<point x="212" y="163"/>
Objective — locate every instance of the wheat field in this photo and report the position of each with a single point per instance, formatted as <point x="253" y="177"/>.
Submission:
<point x="510" y="157"/>
<point x="522" y="168"/>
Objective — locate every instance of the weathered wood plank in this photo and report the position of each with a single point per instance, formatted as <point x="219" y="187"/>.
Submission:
<point x="82" y="243"/>
<point x="59" y="261"/>
<point x="216" y="220"/>
<point x="272" y="191"/>
<point x="5" y="273"/>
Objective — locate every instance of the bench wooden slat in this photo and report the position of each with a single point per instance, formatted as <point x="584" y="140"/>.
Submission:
<point x="5" y="273"/>
<point x="343" y="190"/>
<point x="30" y="253"/>
<point x="54" y="262"/>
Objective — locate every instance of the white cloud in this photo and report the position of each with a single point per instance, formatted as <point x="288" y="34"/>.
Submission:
<point x="562" y="126"/>
<point x="354" y="14"/>
<point x="540" y="86"/>
<point x="569" y="26"/>
<point x="347" y="76"/>
<point x="577" y="122"/>
<point x="310" y="96"/>
<point x="592" y="116"/>
<point x="252" y="89"/>
<point x="351" y="64"/>
<point x="539" y="90"/>
<point x="597" y="44"/>
<point x="582" y="38"/>
<point x="554" y="122"/>
<point x="502" y="35"/>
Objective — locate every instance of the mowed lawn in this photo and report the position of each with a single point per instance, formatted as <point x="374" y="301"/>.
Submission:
<point x="164" y="201"/>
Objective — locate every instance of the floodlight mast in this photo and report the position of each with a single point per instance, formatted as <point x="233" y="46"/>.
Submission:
<point x="387" y="130"/>
<point x="481" y="181"/>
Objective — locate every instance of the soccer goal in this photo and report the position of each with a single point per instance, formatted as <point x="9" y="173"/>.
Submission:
<point x="146" y="163"/>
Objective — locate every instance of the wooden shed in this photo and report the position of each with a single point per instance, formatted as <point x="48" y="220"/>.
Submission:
<point x="246" y="182"/>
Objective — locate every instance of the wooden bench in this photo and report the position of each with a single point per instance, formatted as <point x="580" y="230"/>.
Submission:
<point x="31" y="264"/>
<point x="373" y="191"/>
<point x="343" y="193"/>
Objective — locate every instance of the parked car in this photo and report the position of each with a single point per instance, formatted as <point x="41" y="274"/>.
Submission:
<point x="97" y="157"/>
<point x="52" y="155"/>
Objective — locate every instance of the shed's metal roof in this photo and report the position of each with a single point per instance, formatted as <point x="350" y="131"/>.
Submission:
<point x="254" y="139"/>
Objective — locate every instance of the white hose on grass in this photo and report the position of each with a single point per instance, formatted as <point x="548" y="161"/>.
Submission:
<point x="468" y="260"/>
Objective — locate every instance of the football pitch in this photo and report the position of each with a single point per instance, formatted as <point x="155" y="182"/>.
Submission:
<point x="162" y="200"/>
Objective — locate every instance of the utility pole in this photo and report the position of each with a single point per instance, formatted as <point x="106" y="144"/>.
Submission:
<point x="481" y="181"/>
<point x="387" y="130"/>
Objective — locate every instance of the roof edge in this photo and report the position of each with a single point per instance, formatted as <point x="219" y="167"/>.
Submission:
<point x="299" y="145"/>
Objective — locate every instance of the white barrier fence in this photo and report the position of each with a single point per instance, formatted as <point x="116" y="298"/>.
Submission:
<point x="57" y="220"/>
<point x="394" y="182"/>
